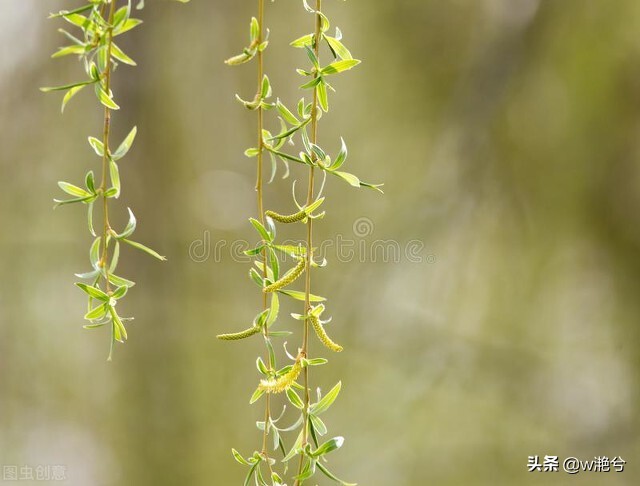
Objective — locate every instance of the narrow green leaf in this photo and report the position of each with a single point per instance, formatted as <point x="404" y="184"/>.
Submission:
<point x="105" y="98"/>
<point x="97" y="146"/>
<point x="326" y="401"/>
<point x="339" y="66"/>
<point x="350" y="178"/>
<point x="295" y="294"/>
<point x="256" y="396"/>
<point x="125" y="145"/>
<point x="73" y="190"/>
<point x="144" y="248"/>
<point x="115" y="177"/>
<point x="119" y="281"/>
<point x="330" y="475"/>
<point x="93" y="292"/>
<point x="130" y="228"/>
<point x="239" y="458"/>
<point x="261" y="229"/>
<point x="295" y="400"/>
<point x="97" y="313"/>
<point x="338" y="47"/>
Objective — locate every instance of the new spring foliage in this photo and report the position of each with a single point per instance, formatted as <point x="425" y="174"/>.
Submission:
<point x="298" y="127"/>
<point x="95" y="29"/>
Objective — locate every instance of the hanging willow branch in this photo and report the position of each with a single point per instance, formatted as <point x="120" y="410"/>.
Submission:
<point x="100" y="22"/>
<point x="299" y="125"/>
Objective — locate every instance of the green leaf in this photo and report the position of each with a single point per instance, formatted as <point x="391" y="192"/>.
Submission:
<point x="295" y="400"/>
<point x="105" y="98"/>
<point x="255" y="276"/>
<point x="125" y="145"/>
<point x="305" y="40"/>
<point x="265" y="91"/>
<point x="120" y="292"/>
<point x="254" y="30"/>
<point x="65" y="87"/>
<point x="250" y="474"/>
<point x="127" y="26"/>
<point x="115" y="177"/>
<point x="76" y="19"/>
<point x="294" y="449"/>
<point x="339" y="66"/>
<point x="286" y="156"/>
<point x="89" y="181"/>
<point x="73" y="190"/>
<point x="261" y="230"/>
<point x="329" y="446"/>
<point x="90" y="218"/>
<point x="93" y="292"/>
<point x="94" y="326"/>
<point x="122" y="14"/>
<point x="262" y="368"/>
<point x="61" y="13"/>
<point x="274" y="309"/>
<point x="59" y="202"/>
<point x="70" y="94"/>
<point x="330" y="475"/>
<point x="119" y="281"/>
<point x="295" y="294"/>
<point x="318" y="425"/>
<point x="286" y="113"/>
<point x="316" y="361"/>
<point x="119" y="54"/>
<point x="144" y="248"/>
<point x="375" y="187"/>
<point x="338" y="47"/>
<point x="239" y="458"/>
<point x="342" y="156"/>
<point x="94" y="253"/>
<point x="350" y="178"/>
<point x="120" y="330"/>
<point x="252" y="152"/>
<point x="68" y="50"/>
<point x="312" y="84"/>
<point x="97" y="312"/>
<point x="97" y="146"/>
<point x="115" y="257"/>
<point x="130" y="228"/>
<point x="312" y="56"/>
<point x="326" y="401"/>
<point x="256" y="396"/>
<point x="322" y="96"/>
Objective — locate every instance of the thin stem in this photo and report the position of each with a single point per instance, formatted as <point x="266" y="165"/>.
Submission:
<point x="105" y="157"/>
<point x="309" y="257"/>
<point x="260" y="197"/>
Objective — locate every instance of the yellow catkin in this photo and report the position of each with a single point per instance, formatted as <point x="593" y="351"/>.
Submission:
<point x="280" y="384"/>
<point x="287" y="279"/>
<point x="236" y="336"/>
<point x="322" y="335"/>
<point x="291" y="218"/>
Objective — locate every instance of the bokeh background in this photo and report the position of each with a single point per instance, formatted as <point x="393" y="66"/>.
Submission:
<point x="506" y="132"/>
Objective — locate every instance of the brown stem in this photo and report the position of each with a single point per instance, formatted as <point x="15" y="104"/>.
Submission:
<point x="105" y="158"/>
<point x="309" y="256"/>
<point x="260" y="198"/>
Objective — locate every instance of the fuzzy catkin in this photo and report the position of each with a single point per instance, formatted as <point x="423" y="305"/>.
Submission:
<point x="323" y="336"/>
<point x="291" y="218"/>
<point x="282" y="383"/>
<point x="287" y="279"/>
<point x="236" y="336"/>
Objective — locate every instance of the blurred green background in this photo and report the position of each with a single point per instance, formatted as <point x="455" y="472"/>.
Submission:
<point x="506" y="132"/>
